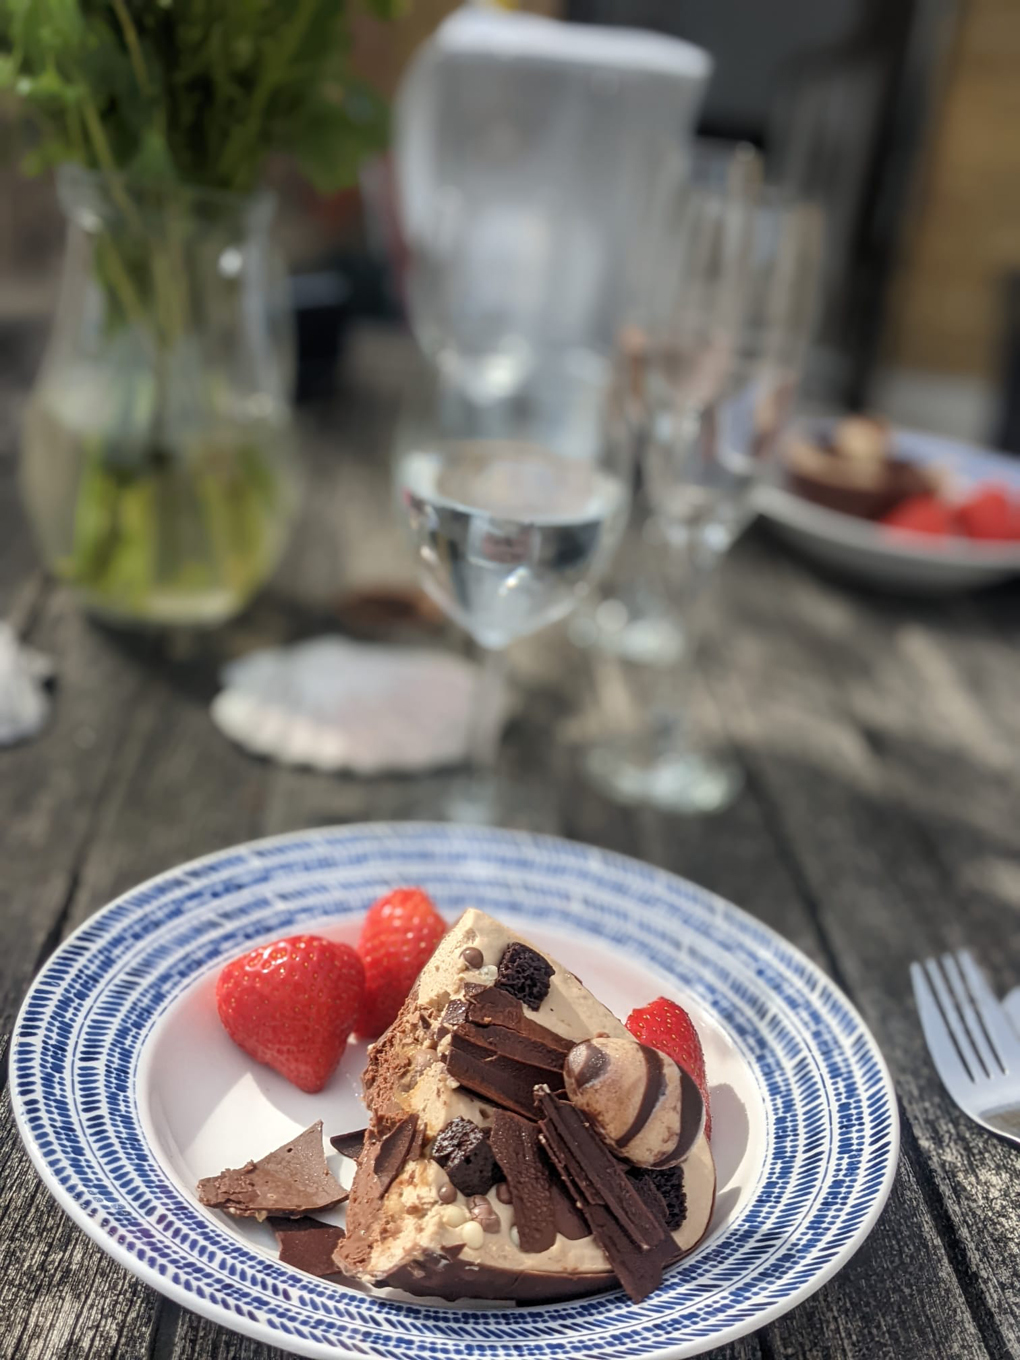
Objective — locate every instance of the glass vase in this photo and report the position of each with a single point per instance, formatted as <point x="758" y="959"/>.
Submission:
<point x="157" y="461"/>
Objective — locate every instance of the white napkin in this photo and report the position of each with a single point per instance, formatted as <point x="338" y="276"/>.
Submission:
<point x="24" y="702"/>
<point x="338" y="705"/>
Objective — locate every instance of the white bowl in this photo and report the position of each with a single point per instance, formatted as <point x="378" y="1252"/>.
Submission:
<point x="863" y="551"/>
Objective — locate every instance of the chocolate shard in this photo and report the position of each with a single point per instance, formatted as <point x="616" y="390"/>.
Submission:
<point x="456" y="1012"/>
<point x="663" y="1188"/>
<point x="640" y="1272"/>
<point x="307" y="1244"/>
<point x="632" y="1234"/>
<point x="525" y="974"/>
<point x="349" y="1144"/>
<point x="516" y="1148"/>
<point x="602" y="1178"/>
<point x="502" y="1080"/>
<point x="517" y="1047"/>
<point x="570" y="1222"/>
<point x="394" y="1150"/>
<point x="491" y="1006"/>
<point x="288" y="1182"/>
<point x="462" y="1150"/>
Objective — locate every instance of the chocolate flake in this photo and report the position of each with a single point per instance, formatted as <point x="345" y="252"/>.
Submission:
<point x="516" y="1148"/>
<point x="462" y="1150"/>
<point x="393" y="1152"/>
<point x="288" y="1182"/>
<point x="308" y="1244"/>
<point x="525" y="974"/>
<point x="350" y="1144"/>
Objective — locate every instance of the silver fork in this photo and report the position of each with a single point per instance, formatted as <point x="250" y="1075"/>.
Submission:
<point x="974" y="1046"/>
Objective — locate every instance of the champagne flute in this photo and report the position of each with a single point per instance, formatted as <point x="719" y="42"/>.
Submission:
<point x="513" y="511"/>
<point x="720" y="388"/>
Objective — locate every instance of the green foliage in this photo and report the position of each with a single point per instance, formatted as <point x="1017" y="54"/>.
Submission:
<point x="194" y="91"/>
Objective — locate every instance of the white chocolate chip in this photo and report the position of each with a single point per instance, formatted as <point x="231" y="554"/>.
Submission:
<point x="515" y="1237"/>
<point x="454" y="1215"/>
<point x="488" y="972"/>
<point x="472" y="1234"/>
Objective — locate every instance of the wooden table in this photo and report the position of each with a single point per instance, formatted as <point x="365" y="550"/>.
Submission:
<point x="881" y="741"/>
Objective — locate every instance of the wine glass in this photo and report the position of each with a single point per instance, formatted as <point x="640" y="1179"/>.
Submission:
<point x="513" y="511"/>
<point x="720" y="384"/>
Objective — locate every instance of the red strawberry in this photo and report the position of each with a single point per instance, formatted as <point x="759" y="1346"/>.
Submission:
<point x="291" y="1004"/>
<point x="400" y="932"/>
<point x="921" y="515"/>
<point x="666" y="1026"/>
<point x="987" y="513"/>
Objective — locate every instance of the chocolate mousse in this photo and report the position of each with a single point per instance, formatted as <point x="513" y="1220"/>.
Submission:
<point x="521" y="1144"/>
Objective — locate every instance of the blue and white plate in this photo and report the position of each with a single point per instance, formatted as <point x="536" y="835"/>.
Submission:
<point x="126" y="1089"/>
<point x="861" y="550"/>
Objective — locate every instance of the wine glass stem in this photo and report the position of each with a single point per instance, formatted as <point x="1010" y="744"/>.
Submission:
<point x="485" y="723"/>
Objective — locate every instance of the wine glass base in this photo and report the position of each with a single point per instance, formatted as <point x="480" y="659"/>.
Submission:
<point x="688" y="782"/>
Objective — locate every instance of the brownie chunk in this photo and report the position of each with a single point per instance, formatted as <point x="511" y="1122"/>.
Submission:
<point x="462" y="1150"/>
<point x="524" y="974"/>
<point x="670" y="1185"/>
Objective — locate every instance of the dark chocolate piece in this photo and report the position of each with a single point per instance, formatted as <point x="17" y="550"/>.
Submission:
<point x="308" y="1244"/>
<point x="668" y="1187"/>
<point x="521" y="1048"/>
<point x="462" y="1150"/>
<point x="569" y="1220"/>
<point x="516" y="1148"/>
<point x="499" y="1079"/>
<point x="503" y="1193"/>
<point x="525" y="974"/>
<point x="633" y="1236"/>
<point x="350" y="1144"/>
<point x="288" y="1182"/>
<point x="394" y="1151"/>
<point x="474" y="958"/>
<point x="655" y="1083"/>
<point x="456" y="1012"/>
<point x="490" y="1006"/>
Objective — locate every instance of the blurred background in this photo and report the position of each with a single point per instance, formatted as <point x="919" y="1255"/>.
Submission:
<point x="904" y="118"/>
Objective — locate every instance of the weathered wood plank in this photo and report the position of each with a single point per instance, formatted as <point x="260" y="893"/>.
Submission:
<point x="60" y="1294"/>
<point x="878" y="892"/>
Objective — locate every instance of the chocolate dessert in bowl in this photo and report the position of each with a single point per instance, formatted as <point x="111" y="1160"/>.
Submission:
<point x="852" y="467"/>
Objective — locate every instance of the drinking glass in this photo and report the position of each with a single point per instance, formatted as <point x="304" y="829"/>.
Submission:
<point x="513" y="511"/>
<point x="719" y="388"/>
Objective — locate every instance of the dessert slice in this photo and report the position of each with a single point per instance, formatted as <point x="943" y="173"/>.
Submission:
<point x="522" y="1145"/>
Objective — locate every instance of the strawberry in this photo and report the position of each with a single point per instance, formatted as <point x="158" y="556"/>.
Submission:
<point x="400" y="932"/>
<point x="291" y="1004"/>
<point x="987" y="513"/>
<point x="666" y="1026"/>
<point x="921" y="515"/>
